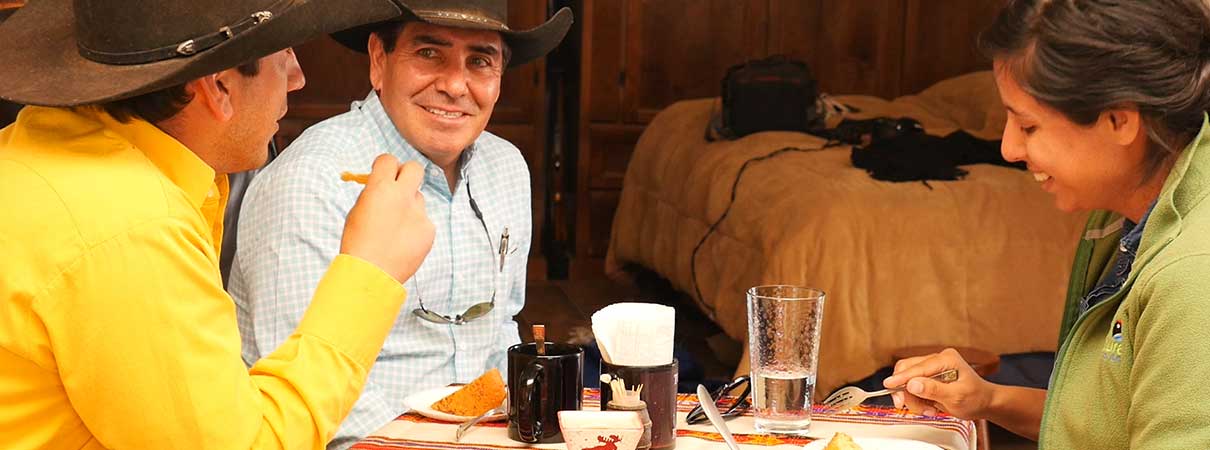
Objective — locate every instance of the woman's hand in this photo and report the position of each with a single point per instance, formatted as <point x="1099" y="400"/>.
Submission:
<point x="968" y="397"/>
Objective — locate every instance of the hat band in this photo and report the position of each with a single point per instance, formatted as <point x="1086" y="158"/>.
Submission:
<point x="448" y="15"/>
<point x="186" y="48"/>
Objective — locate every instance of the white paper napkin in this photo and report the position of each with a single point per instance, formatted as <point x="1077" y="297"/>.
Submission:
<point x="635" y="334"/>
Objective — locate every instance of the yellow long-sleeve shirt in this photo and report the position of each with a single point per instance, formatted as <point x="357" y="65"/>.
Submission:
<point x="115" y="331"/>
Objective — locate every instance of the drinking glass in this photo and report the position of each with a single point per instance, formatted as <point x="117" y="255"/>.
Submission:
<point x="783" y="344"/>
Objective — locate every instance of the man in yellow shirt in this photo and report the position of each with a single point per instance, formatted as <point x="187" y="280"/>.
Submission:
<point x="115" y="331"/>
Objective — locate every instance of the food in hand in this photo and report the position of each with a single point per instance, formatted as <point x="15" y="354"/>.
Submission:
<point x="482" y="395"/>
<point x="362" y="178"/>
<point x="841" y="441"/>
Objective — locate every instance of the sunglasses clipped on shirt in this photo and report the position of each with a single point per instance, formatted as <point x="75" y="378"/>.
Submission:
<point x="479" y="309"/>
<point x="728" y="405"/>
<point x="476" y="310"/>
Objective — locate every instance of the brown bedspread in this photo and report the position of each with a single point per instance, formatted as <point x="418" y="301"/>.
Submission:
<point x="980" y="262"/>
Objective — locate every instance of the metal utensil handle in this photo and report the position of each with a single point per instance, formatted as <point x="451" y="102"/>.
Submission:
<point x="948" y="376"/>
<point x="707" y="402"/>
<point x="470" y="423"/>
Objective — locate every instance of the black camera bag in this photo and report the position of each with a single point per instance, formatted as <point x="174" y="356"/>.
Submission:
<point x="774" y="93"/>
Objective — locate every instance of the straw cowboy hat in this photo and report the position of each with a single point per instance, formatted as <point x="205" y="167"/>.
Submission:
<point x="490" y="15"/>
<point x="76" y="52"/>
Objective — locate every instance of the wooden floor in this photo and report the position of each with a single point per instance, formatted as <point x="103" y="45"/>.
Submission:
<point x="565" y="308"/>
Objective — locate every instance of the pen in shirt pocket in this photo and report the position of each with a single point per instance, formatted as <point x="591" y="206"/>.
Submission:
<point x="503" y="247"/>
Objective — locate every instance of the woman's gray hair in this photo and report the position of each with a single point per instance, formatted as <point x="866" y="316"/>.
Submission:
<point x="1083" y="57"/>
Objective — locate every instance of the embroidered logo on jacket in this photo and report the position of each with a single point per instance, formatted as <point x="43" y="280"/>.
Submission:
<point x="1112" y="351"/>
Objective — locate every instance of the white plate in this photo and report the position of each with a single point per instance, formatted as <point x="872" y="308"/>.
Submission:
<point x="422" y="403"/>
<point x="878" y="443"/>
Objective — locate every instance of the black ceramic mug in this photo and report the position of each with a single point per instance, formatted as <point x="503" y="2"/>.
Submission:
<point x="539" y="386"/>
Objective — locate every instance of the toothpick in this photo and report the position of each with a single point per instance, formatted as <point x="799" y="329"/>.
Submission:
<point x="619" y="389"/>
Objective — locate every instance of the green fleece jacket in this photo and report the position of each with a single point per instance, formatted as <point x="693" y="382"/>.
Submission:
<point x="1133" y="371"/>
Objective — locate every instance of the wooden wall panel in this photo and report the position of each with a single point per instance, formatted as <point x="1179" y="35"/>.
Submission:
<point x="606" y="44"/>
<point x="521" y="89"/>
<point x="335" y="77"/>
<point x="614" y="144"/>
<point x="678" y="49"/>
<point x="852" y="46"/>
<point x="939" y="40"/>
<point x="600" y="225"/>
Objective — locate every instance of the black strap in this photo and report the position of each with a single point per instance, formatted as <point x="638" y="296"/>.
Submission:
<point x="186" y="48"/>
<point x="701" y="301"/>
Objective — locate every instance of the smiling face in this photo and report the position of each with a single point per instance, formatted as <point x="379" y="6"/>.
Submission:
<point x="1098" y="166"/>
<point x="438" y="85"/>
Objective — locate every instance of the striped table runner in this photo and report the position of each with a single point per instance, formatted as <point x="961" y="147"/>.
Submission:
<point x="412" y="431"/>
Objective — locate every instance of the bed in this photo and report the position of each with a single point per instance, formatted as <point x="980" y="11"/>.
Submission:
<point x="981" y="262"/>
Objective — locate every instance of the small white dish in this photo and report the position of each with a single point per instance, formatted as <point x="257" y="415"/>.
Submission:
<point x="422" y="403"/>
<point x="601" y="430"/>
<point x="879" y="443"/>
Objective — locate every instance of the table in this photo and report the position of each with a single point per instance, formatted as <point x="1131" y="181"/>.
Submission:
<point x="414" y="432"/>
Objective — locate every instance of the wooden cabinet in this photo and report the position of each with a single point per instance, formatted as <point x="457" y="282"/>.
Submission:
<point x="639" y="56"/>
<point x="337" y="76"/>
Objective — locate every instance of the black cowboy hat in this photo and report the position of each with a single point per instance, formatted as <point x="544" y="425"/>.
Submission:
<point x="76" y="52"/>
<point x="476" y="15"/>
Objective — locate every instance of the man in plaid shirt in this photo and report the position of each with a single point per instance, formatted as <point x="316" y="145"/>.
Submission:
<point x="436" y="78"/>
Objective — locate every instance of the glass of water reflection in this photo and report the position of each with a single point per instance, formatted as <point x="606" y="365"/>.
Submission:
<point x="783" y="344"/>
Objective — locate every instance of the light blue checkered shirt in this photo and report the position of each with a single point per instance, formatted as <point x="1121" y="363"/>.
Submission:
<point x="290" y="228"/>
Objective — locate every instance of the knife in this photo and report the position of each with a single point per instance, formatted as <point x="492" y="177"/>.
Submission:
<point x="703" y="396"/>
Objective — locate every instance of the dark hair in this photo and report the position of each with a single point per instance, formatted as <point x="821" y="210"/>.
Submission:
<point x="389" y="32"/>
<point x="162" y="104"/>
<point x="1082" y="57"/>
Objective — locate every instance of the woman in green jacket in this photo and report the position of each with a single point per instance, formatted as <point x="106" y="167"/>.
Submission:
<point x="1106" y="105"/>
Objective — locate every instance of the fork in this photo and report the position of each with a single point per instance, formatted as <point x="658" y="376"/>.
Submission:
<point x="852" y="396"/>
<point x="464" y="426"/>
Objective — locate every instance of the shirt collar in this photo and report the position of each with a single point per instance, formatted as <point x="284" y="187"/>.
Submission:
<point x="1187" y="183"/>
<point x="1184" y="187"/>
<point x="170" y="156"/>
<point x="1133" y="233"/>
<point x="398" y="146"/>
<point x="176" y="161"/>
